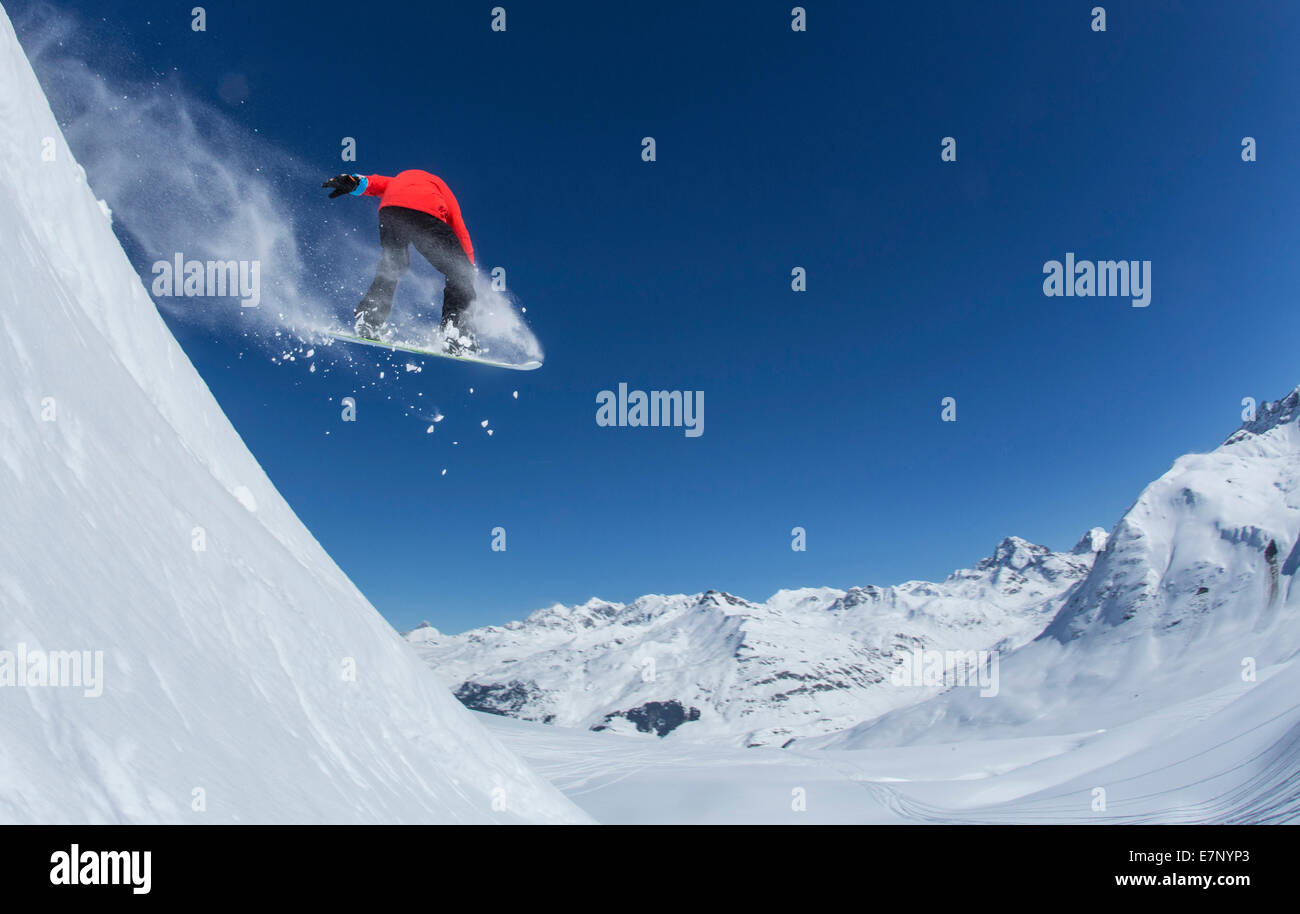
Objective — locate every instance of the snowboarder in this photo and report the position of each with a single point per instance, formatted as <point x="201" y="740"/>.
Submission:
<point x="416" y="208"/>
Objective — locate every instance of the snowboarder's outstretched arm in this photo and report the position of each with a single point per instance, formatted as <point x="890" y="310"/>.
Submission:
<point x="372" y="185"/>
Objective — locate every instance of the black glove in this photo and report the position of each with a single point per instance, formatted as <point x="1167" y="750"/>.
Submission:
<point x="342" y="184"/>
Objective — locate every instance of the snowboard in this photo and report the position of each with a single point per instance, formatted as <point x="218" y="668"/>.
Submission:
<point x="416" y="350"/>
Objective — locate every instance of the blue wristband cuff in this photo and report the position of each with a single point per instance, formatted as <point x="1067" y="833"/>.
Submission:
<point x="361" y="188"/>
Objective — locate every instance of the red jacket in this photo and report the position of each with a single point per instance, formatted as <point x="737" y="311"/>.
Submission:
<point x="424" y="192"/>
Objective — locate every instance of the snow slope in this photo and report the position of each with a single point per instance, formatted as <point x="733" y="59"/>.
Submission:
<point x="717" y="668"/>
<point x="1228" y="759"/>
<point x="226" y="695"/>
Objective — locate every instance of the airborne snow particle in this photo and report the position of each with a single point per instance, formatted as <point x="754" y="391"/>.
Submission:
<point x="484" y="423"/>
<point x="429" y="430"/>
<point x="515" y="394"/>
<point x="444" y="471"/>
<point x="490" y="431"/>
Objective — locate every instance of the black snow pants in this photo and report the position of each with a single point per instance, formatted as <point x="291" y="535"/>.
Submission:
<point x="399" y="228"/>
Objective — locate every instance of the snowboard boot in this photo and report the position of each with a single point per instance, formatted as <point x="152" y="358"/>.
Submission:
<point x="458" y="342"/>
<point x="366" y="328"/>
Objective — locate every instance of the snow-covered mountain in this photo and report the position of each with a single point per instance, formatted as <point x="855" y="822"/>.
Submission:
<point x="715" y="667"/>
<point x="175" y="646"/>
<point x="1193" y="604"/>
<point x="1165" y="687"/>
<point x="1188" y="606"/>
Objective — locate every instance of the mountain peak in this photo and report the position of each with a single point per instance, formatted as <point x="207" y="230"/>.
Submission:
<point x="1092" y="541"/>
<point x="1014" y="552"/>
<point x="1269" y="415"/>
<point x="720" y="598"/>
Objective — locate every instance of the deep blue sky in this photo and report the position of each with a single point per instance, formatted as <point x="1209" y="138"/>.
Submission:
<point x="775" y="149"/>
